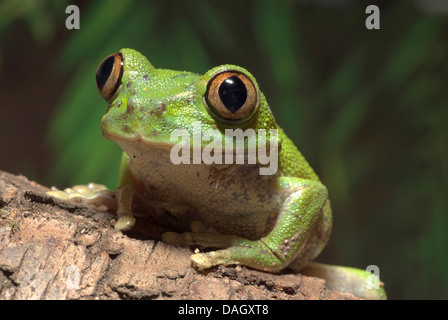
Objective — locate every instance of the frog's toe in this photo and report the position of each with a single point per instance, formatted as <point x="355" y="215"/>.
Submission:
<point x="93" y="194"/>
<point x="96" y="187"/>
<point x="59" y="194"/>
<point x="202" y="261"/>
<point x="125" y="223"/>
<point x="90" y="188"/>
<point x="207" y="260"/>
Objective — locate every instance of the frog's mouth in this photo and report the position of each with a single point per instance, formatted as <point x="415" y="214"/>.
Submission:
<point x="136" y="147"/>
<point x="137" y="140"/>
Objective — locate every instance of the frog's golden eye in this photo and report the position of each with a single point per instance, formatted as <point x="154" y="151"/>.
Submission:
<point x="231" y="95"/>
<point x="108" y="76"/>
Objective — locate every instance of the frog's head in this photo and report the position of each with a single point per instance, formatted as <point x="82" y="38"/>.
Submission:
<point x="147" y="104"/>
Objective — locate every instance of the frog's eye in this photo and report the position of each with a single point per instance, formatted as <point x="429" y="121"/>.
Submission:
<point x="231" y="95"/>
<point x="108" y="76"/>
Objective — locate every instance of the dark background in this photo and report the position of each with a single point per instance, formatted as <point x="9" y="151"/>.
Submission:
<point x="367" y="108"/>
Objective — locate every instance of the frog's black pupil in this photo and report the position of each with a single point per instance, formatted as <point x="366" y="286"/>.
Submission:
<point x="104" y="71"/>
<point x="233" y="93"/>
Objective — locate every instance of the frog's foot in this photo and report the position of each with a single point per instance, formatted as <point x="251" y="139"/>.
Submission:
<point x="235" y="250"/>
<point x="98" y="196"/>
<point x="92" y="194"/>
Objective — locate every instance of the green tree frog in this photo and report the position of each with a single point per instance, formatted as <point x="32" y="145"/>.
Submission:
<point x="264" y="221"/>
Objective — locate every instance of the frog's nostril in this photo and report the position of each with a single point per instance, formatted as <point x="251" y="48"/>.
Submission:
<point x="108" y="76"/>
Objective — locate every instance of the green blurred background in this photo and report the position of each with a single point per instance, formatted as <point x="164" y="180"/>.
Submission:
<point x="367" y="108"/>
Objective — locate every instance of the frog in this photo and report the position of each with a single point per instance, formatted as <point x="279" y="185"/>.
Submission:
<point x="272" y="221"/>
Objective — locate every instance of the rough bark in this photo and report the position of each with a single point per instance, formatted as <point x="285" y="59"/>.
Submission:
<point x="52" y="249"/>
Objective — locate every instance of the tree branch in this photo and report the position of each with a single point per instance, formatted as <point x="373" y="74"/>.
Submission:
<point x="51" y="249"/>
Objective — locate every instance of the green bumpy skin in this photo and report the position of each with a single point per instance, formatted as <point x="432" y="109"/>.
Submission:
<point x="267" y="222"/>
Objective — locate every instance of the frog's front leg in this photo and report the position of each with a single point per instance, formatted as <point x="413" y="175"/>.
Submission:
<point x="298" y="219"/>
<point x="126" y="220"/>
<point x="92" y="194"/>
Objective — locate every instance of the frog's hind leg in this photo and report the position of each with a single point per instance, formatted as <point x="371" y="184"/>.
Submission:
<point x="298" y="217"/>
<point x="316" y="241"/>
